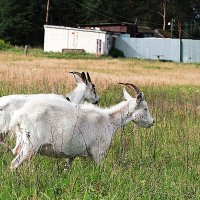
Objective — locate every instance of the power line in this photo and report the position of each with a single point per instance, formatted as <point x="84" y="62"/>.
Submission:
<point x="108" y="12"/>
<point x="94" y="9"/>
<point x="185" y="34"/>
<point x="97" y="12"/>
<point x="152" y="23"/>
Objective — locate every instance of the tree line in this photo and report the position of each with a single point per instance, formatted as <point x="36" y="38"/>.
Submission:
<point x="21" y="22"/>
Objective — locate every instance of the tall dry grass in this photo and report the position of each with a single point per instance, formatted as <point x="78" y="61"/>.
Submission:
<point x="20" y="70"/>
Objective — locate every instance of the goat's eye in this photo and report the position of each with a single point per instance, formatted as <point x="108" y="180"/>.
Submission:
<point x="145" y="109"/>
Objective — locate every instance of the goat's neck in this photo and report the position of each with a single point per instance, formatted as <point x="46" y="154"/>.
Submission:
<point x="78" y="94"/>
<point x="120" y="114"/>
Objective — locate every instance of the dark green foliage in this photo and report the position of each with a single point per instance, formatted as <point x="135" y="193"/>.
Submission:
<point x="116" y="53"/>
<point x="21" y="22"/>
<point x="4" y="45"/>
<point x="65" y="13"/>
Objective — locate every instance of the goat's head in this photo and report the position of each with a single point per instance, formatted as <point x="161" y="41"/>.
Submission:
<point x="86" y="87"/>
<point x="138" y="109"/>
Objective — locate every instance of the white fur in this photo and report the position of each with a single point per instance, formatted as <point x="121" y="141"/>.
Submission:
<point x="8" y="104"/>
<point x="61" y="129"/>
<point x="11" y="103"/>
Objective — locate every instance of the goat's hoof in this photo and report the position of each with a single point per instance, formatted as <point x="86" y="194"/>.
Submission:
<point x="13" y="165"/>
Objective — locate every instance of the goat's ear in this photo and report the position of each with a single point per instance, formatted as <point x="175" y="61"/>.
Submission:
<point x="126" y="94"/>
<point x="84" y="79"/>
<point x="88" y="78"/>
<point x="77" y="77"/>
<point x="140" y="97"/>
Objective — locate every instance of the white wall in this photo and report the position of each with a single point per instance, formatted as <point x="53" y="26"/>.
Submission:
<point x="58" y="38"/>
<point x="55" y="39"/>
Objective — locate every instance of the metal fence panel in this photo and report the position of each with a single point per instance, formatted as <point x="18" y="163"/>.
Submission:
<point x="159" y="48"/>
<point x="190" y="50"/>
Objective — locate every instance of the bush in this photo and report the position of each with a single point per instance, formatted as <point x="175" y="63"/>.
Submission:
<point x="115" y="53"/>
<point x="4" y="45"/>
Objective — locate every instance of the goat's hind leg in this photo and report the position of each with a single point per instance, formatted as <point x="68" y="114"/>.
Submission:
<point x="26" y="152"/>
<point x="18" y="144"/>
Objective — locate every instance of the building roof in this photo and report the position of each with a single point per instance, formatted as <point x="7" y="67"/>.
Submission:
<point x="132" y="29"/>
<point x="75" y="29"/>
<point x="113" y="27"/>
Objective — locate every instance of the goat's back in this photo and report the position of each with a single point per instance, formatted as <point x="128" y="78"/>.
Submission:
<point x="69" y="128"/>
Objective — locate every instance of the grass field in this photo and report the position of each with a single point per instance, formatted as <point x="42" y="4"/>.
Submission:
<point x="162" y="162"/>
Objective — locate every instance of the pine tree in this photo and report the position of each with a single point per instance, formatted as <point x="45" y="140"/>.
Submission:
<point x="21" y="22"/>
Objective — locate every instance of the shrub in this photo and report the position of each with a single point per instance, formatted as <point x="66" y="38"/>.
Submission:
<point x="115" y="53"/>
<point x="4" y="45"/>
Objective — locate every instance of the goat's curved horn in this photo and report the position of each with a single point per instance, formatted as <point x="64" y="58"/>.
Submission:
<point x="132" y="86"/>
<point x="88" y="78"/>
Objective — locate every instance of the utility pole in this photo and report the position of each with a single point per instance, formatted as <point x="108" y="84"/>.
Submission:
<point x="47" y="12"/>
<point x="180" y="37"/>
<point x="179" y="29"/>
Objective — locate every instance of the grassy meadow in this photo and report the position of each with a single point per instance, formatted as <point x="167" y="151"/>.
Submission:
<point x="162" y="162"/>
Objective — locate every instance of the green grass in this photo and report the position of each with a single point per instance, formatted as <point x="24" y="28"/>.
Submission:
<point x="158" y="163"/>
<point x="152" y="67"/>
<point x="39" y="52"/>
<point x="197" y="65"/>
<point x="162" y="162"/>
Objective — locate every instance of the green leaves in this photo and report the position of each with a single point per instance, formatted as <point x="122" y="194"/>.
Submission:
<point x="21" y="22"/>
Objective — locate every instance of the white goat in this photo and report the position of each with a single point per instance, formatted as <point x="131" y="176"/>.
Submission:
<point x="85" y="90"/>
<point x="62" y="129"/>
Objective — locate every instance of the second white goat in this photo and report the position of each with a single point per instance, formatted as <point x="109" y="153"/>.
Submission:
<point x="85" y="91"/>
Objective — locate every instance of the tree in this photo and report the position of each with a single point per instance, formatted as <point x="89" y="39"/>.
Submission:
<point x="65" y="12"/>
<point x="21" y="22"/>
<point x="163" y="13"/>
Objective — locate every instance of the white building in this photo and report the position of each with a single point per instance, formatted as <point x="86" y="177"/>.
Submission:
<point x="59" y="38"/>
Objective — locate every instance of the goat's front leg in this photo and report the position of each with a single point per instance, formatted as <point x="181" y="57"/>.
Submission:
<point x="96" y="154"/>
